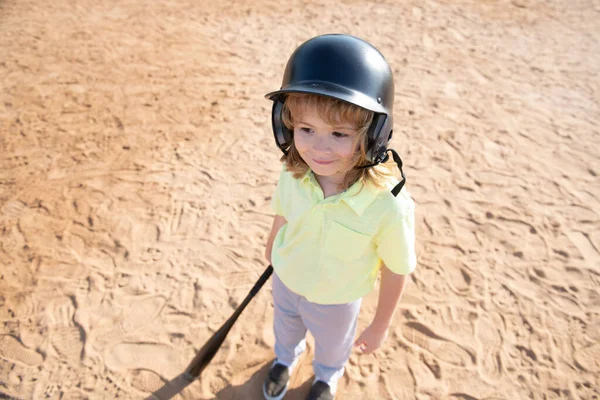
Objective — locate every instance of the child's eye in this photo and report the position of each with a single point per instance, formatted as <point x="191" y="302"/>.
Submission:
<point x="306" y="130"/>
<point x="340" y="135"/>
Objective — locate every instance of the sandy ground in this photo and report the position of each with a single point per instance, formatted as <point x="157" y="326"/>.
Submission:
<point x="137" y="165"/>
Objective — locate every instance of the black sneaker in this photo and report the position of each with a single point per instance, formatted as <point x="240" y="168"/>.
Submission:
<point x="277" y="382"/>
<point x="320" y="391"/>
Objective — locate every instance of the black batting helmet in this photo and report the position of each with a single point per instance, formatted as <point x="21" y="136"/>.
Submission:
<point x="346" y="68"/>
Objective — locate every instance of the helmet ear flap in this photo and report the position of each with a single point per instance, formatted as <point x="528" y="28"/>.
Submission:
<point x="379" y="135"/>
<point x="283" y="135"/>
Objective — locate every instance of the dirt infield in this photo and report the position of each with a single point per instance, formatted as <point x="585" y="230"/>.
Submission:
<point x="137" y="166"/>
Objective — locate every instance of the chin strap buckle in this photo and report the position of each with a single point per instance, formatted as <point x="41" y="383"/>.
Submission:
<point x="384" y="157"/>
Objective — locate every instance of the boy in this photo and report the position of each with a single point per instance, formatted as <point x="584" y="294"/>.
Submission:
<point x="336" y="225"/>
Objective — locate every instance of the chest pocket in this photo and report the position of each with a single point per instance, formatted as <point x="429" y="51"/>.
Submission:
<point x="346" y="244"/>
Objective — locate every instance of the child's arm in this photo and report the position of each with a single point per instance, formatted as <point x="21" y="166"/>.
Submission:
<point x="391" y="288"/>
<point x="278" y="222"/>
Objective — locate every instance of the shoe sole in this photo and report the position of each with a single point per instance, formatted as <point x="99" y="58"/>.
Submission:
<point x="279" y="397"/>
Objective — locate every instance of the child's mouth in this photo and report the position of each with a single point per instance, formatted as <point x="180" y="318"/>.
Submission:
<point x="322" y="162"/>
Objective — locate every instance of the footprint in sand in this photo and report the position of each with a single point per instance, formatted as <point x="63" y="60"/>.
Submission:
<point x="588" y="358"/>
<point x="489" y="330"/>
<point x="395" y="388"/>
<point x="13" y="209"/>
<point x="145" y="380"/>
<point x="586" y="247"/>
<point x="457" y="275"/>
<point x="162" y="359"/>
<point x="140" y="314"/>
<point x="363" y="368"/>
<point x="239" y="279"/>
<point x="13" y="350"/>
<point x="442" y="348"/>
<point x="151" y="255"/>
<point x="68" y="342"/>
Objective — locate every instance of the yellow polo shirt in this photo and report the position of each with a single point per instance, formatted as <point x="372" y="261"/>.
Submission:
<point x="331" y="249"/>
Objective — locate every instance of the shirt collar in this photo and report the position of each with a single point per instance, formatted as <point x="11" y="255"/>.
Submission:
<point x="358" y="196"/>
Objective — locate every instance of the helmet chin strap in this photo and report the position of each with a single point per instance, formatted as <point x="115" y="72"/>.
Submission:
<point x="398" y="162"/>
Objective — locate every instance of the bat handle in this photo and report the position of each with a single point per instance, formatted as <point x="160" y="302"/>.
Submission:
<point x="261" y="281"/>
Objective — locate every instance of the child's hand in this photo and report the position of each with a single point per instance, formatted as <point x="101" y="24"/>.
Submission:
<point x="371" y="338"/>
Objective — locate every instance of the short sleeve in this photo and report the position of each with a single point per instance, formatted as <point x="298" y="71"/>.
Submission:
<point x="396" y="242"/>
<point x="277" y="202"/>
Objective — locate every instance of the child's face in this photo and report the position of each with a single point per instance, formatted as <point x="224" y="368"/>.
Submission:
<point x="328" y="150"/>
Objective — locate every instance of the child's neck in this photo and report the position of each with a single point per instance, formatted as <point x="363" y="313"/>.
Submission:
<point x="330" y="185"/>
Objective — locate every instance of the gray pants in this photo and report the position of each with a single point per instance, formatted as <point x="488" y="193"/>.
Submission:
<point x="333" y="327"/>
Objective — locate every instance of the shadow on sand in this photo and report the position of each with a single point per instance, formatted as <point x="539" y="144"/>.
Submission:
<point x="252" y="388"/>
<point x="249" y="390"/>
<point x="172" y="388"/>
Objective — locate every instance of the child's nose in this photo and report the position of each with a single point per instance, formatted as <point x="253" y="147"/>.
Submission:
<point x="321" y="143"/>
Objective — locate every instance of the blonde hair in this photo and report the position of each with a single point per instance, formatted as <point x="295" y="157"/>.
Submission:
<point x="335" y="112"/>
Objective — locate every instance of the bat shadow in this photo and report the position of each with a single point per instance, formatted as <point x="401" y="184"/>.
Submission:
<point x="171" y="388"/>
<point x="249" y="390"/>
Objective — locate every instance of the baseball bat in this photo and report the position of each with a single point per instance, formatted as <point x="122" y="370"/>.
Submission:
<point x="208" y="351"/>
<point x="210" y="348"/>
